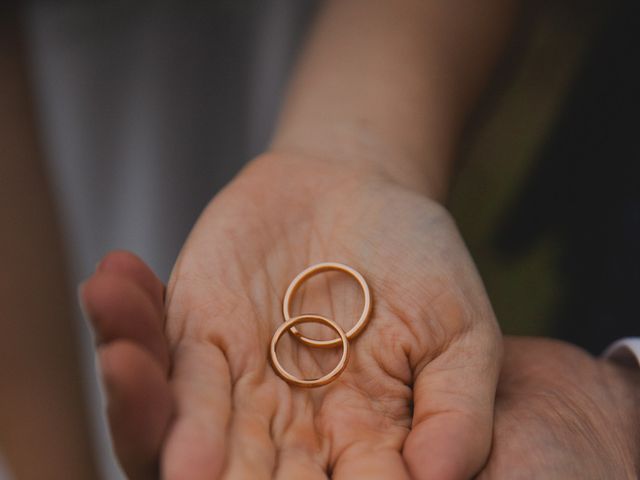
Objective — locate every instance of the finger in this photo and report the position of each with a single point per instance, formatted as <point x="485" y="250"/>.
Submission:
<point x="139" y="406"/>
<point x="453" y="411"/>
<point x="195" y="447"/>
<point x="292" y="464"/>
<point x="251" y="452"/>
<point x="371" y="463"/>
<point x="120" y="309"/>
<point x="128" y="265"/>
<point x="301" y="453"/>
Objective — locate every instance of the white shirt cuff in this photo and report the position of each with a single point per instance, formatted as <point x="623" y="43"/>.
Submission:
<point x="625" y="351"/>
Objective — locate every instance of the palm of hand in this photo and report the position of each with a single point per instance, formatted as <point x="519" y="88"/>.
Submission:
<point x="417" y="396"/>
<point x="559" y="415"/>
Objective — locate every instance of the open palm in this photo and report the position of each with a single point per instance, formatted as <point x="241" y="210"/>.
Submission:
<point x="199" y="396"/>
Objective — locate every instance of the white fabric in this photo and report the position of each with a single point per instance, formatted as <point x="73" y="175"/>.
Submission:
<point x="625" y="351"/>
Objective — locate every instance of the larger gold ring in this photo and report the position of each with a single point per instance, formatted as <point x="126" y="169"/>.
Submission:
<point x="311" y="271"/>
<point x="317" y="382"/>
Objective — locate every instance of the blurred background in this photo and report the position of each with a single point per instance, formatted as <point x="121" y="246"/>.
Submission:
<point x="146" y="109"/>
<point x="548" y="197"/>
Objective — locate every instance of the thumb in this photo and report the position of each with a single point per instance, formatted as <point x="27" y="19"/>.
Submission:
<point x="453" y="408"/>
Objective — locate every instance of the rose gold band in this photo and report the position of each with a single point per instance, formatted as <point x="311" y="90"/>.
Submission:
<point x="343" y="339"/>
<point x="317" y="382"/>
<point x="310" y="272"/>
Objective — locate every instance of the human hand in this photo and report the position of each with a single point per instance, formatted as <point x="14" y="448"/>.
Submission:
<point x="563" y="414"/>
<point x="416" y="399"/>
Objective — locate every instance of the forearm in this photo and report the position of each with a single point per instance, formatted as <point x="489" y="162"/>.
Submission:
<point x="43" y="433"/>
<point x="389" y="84"/>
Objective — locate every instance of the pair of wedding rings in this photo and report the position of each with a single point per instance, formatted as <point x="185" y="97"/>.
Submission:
<point x="343" y="339"/>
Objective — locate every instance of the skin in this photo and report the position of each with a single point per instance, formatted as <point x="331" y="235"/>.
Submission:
<point x="219" y="411"/>
<point x="191" y="393"/>
<point x="388" y="85"/>
<point x="359" y="165"/>
<point x="563" y="414"/>
<point x="560" y="412"/>
<point x="367" y="152"/>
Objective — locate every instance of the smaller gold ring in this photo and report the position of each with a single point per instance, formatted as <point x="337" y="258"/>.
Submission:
<point x="317" y="382"/>
<point x="310" y="272"/>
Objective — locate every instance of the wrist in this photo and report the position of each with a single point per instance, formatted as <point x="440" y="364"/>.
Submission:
<point x="315" y="171"/>
<point x="350" y="150"/>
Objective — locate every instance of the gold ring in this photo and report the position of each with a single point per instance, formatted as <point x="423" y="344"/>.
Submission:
<point x="311" y="271"/>
<point x="317" y="382"/>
